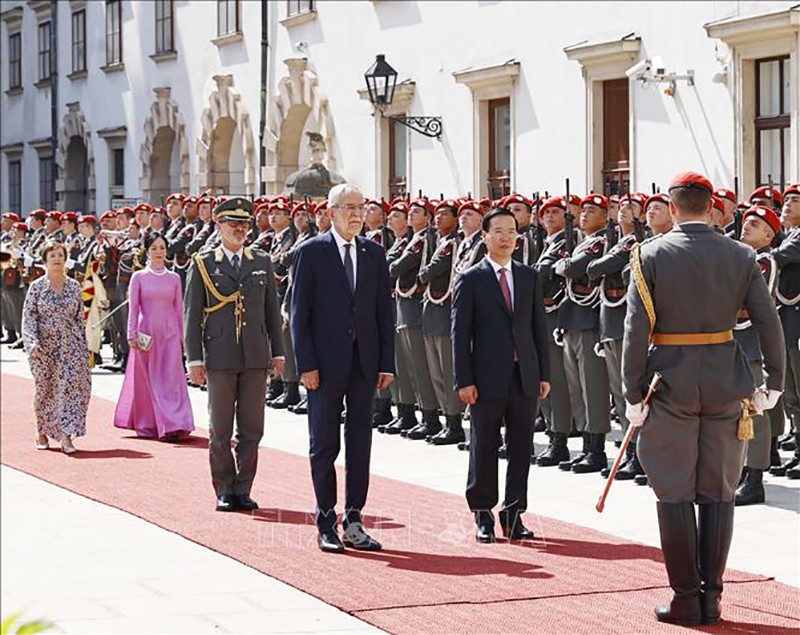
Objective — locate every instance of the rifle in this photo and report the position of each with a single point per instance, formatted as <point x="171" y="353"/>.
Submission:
<point x="569" y="221"/>
<point x="611" y="234"/>
<point x="540" y="234"/>
<point x="772" y="192"/>
<point x="638" y="230"/>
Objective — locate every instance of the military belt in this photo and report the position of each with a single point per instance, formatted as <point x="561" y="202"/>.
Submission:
<point x="692" y="339"/>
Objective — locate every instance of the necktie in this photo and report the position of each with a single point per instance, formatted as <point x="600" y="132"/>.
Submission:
<point x="235" y="262"/>
<point x="506" y="289"/>
<point x="348" y="267"/>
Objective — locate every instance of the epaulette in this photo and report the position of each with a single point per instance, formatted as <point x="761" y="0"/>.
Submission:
<point x="255" y="251"/>
<point x="219" y="255"/>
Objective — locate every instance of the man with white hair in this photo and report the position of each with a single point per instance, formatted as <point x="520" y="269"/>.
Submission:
<point x="343" y="330"/>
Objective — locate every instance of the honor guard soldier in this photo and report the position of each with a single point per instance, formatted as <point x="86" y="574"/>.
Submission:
<point x="177" y="222"/>
<point x="526" y="250"/>
<point x="787" y="257"/>
<point x="409" y="292"/>
<point x="679" y="324"/>
<point x="233" y="336"/>
<point x="264" y="234"/>
<point x="607" y="270"/>
<point x="579" y="318"/>
<point x="729" y="203"/>
<point x="402" y="388"/>
<point x="767" y="197"/>
<point x="377" y="211"/>
<point x="760" y="225"/>
<point x="280" y="220"/>
<point x="471" y="248"/>
<point x="202" y="237"/>
<point x="71" y="239"/>
<point x="12" y="243"/>
<point x="438" y="276"/>
<point x="561" y="406"/>
<point x="176" y="248"/>
<point x="87" y="228"/>
<point x="52" y="226"/>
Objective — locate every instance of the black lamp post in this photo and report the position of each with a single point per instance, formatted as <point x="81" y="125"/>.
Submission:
<point x="381" y="81"/>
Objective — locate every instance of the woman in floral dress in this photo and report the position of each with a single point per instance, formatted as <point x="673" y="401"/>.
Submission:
<point x="55" y="339"/>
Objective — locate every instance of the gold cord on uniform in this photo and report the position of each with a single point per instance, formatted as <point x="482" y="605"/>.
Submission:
<point x="222" y="300"/>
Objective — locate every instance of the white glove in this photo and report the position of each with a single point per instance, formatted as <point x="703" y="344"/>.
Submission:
<point x="69" y="264"/>
<point x="28" y="260"/>
<point x="637" y="413"/>
<point x="765" y="399"/>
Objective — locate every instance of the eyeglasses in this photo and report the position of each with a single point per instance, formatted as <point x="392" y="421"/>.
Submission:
<point x="358" y="209"/>
<point x="238" y="223"/>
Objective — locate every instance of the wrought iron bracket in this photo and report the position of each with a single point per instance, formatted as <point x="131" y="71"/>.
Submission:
<point x="428" y="126"/>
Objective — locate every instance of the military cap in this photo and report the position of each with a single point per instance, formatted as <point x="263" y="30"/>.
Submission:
<point x="108" y="214"/>
<point x="726" y="194"/>
<point x="300" y="208"/>
<point x="176" y="196"/>
<point x="11" y="216"/>
<point x="633" y="197"/>
<point x="143" y="207"/>
<point x="206" y="200"/>
<point x="516" y="198"/>
<point x="614" y="198"/>
<point x="54" y="215"/>
<point x="486" y="203"/>
<point x="471" y="206"/>
<point x="322" y="206"/>
<point x="234" y="208"/>
<point x="792" y="189"/>
<point x="765" y="193"/>
<point x="38" y="213"/>
<point x="448" y="203"/>
<point x="400" y="206"/>
<point x="766" y="214"/>
<point x="20" y="226"/>
<point x="71" y="217"/>
<point x="158" y="210"/>
<point x="718" y="203"/>
<point x="261" y="208"/>
<point x="596" y="199"/>
<point x="661" y="197"/>
<point x="280" y="206"/>
<point x="574" y="199"/>
<point x="380" y="203"/>
<point x="422" y="202"/>
<point x="127" y="211"/>
<point x="554" y="201"/>
<point x="189" y="200"/>
<point x="260" y="200"/>
<point x="691" y="180"/>
<point x="87" y="218"/>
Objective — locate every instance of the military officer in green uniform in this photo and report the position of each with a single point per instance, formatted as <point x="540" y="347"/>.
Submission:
<point x="233" y="335"/>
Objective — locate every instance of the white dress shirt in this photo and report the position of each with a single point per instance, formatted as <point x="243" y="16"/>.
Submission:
<point x="509" y="276"/>
<point x="340" y="243"/>
<point x="230" y="254"/>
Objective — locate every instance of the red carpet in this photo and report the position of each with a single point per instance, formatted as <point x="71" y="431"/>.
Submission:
<point x="431" y="576"/>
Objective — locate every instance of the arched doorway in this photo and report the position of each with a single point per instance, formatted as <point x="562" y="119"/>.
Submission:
<point x="164" y="165"/>
<point x="165" y="150"/>
<point x="76" y="177"/>
<point x="226" y="174"/>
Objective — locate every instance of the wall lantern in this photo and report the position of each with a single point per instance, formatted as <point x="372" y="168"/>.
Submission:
<point x="381" y="81"/>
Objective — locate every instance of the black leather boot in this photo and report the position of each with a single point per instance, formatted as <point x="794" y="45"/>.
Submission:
<point x="791" y="464"/>
<point x="788" y="442"/>
<point x="10" y="337"/>
<point x="381" y="412"/>
<point x="406" y="420"/>
<point x="678" y="529"/>
<point x="629" y="454"/>
<point x="275" y="389"/>
<point x="715" y="534"/>
<point x="774" y="455"/>
<point x="429" y="427"/>
<point x="566" y="465"/>
<point x="555" y="452"/>
<point x="632" y="468"/>
<point x="751" y="489"/>
<point x="595" y="459"/>
<point x="300" y="408"/>
<point x="290" y="396"/>
<point x="452" y="433"/>
<point x="540" y="424"/>
<point x="640" y="479"/>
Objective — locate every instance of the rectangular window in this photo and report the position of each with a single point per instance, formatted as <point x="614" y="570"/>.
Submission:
<point x="295" y="7"/>
<point x="616" y="166"/>
<point x="227" y="16"/>
<point x="44" y="51"/>
<point x="15" y="186"/>
<point x="46" y="183"/>
<point x="113" y="32"/>
<point x="118" y="167"/>
<point x="164" y="27"/>
<point x="773" y="120"/>
<point x="15" y="60"/>
<point x="79" y="41"/>
<point x="398" y="168"/>
<point x="499" y="177"/>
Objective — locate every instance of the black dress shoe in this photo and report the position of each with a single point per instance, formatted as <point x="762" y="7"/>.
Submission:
<point x="329" y="541"/>
<point x="301" y="408"/>
<point x="355" y="537"/>
<point x="243" y="502"/>
<point x="640" y="479"/>
<point x="226" y="503"/>
<point x="484" y="533"/>
<point x="518" y="532"/>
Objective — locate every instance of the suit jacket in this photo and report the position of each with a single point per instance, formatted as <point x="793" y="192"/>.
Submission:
<point x="326" y="317"/>
<point x="211" y="337"/>
<point x="485" y="333"/>
<point x="699" y="280"/>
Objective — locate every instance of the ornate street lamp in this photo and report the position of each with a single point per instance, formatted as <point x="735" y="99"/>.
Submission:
<point x="381" y="80"/>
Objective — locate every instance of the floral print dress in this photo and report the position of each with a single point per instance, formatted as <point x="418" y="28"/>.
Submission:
<point x="55" y="339"/>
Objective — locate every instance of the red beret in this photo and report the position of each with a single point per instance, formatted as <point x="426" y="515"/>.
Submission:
<point x="22" y="226"/>
<point x="107" y="215"/>
<point x="766" y="214"/>
<point x="516" y="198"/>
<point x="206" y="200"/>
<point x="661" y="197"/>
<point x="399" y="206"/>
<point x="87" y="218"/>
<point x="69" y="216"/>
<point x="595" y="199"/>
<point x="792" y="189"/>
<point x="448" y="203"/>
<point x="177" y="196"/>
<point x="764" y="192"/>
<point x="554" y="201"/>
<point x="39" y="213"/>
<point x="279" y="206"/>
<point x="422" y="202"/>
<point x="127" y="211"/>
<point x="11" y="216"/>
<point x="725" y="193"/>
<point x="486" y="203"/>
<point x="470" y="206"/>
<point x="718" y="203"/>
<point x="634" y="197"/>
<point x="322" y="206"/>
<point x="143" y="207"/>
<point x="380" y="203"/>
<point x="189" y="200"/>
<point x="691" y="180"/>
<point x="54" y="215"/>
<point x="300" y="208"/>
<point x="614" y="198"/>
<point x="261" y="208"/>
<point x="574" y="199"/>
<point x="159" y="210"/>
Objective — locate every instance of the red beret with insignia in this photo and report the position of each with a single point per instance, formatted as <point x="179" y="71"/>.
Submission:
<point x="718" y="203"/>
<point x="21" y="226"/>
<point x="143" y="207"/>
<point x="516" y="198"/>
<point x="448" y="203"/>
<point x="661" y="197"/>
<point x="38" y="213"/>
<point x="69" y="216"/>
<point x="595" y="199"/>
<point x="176" y="196"/>
<point x="87" y="218"/>
<point x="127" y="211"/>
<point x="726" y="194"/>
<point x="299" y="209"/>
<point x="399" y="206"/>
<point x="766" y="214"/>
<point x="574" y="199"/>
<point x="634" y="197"/>
<point x="763" y="192"/>
<point x="322" y="206"/>
<point x="207" y="200"/>
<point x="470" y="206"/>
<point x="54" y="215"/>
<point x="107" y="215"/>
<point x="279" y="206"/>
<point x="553" y="201"/>
<point x="422" y="202"/>
<point x="691" y="180"/>
<point x="11" y="216"/>
<point x="190" y="200"/>
<point x="792" y="189"/>
<point x="262" y="208"/>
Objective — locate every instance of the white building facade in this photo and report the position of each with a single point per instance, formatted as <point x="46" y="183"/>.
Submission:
<point x="161" y="95"/>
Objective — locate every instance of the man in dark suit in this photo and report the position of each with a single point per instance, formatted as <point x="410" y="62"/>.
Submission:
<point x="343" y="330"/>
<point x="233" y="335"/>
<point x="502" y="369"/>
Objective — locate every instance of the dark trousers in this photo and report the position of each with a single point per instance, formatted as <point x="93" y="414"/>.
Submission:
<point x="517" y="411"/>
<point x="324" y="420"/>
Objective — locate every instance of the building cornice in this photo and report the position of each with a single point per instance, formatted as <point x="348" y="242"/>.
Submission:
<point x="746" y="29"/>
<point x="590" y="53"/>
<point x="496" y="75"/>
